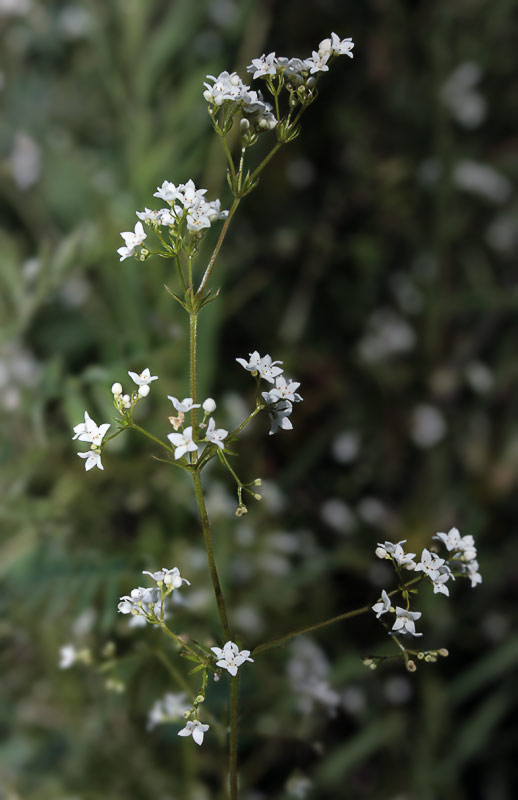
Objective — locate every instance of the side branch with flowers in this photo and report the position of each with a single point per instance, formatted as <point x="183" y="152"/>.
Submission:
<point x="175" y="232"/>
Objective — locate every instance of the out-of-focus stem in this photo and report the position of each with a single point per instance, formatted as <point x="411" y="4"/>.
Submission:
<point x="234" y="700"/>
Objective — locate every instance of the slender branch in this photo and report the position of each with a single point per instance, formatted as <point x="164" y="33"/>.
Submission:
<point x="265" y="161"/>
<point x="234" y="707"/>
<point x="210" y="555"/>
<point x="175" y="638"/>
<point x="229" y="157"/>
<point x="263" y="648"/>
<point x="150" y="436"/>
<point x="214" y="255"/>
<point x="180" y="273"/>
<point x="356" y="612"/>
<point x="246" y="421"/>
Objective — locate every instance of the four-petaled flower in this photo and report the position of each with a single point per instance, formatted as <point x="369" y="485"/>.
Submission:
<point x="196" y="729"/>
<point x="170" y="577"/>
<point x="183" y="406"/>
<point x="230" y="657"/>
<point x="132" y="239"/>
<point x="285" y="390"/>
<point x="430" y="564"/>
<point x="144" y="378"/>
<point x="93" y="459"/>
<point x="383" y="606"/>
<point x="216" y="435"/>
<point x="182" y="442"/>
<point x="89" y="431"/>
<point x="405" y="620"/>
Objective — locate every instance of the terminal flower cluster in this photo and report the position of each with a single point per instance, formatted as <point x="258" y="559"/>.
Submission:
<point x="318" y="61"/>
<point x="279" y="400"/>
<point x="148" y="602"/>
<point x="183" y="442"/>
<point x="461" y="562"/>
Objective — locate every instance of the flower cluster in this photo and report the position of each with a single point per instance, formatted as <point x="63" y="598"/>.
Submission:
<point x="462" y="551"/>
<point x="279" y="400"/>
<point x="187" y="213"/>
<point x="270" y="64"/>
<point x="461" y="561"/>
<point x="126" y="401"/>
<point x="229" y="88"/>
<point x="149" y="602"/>
<point x="230" y="657"/>
<point x="183" y="441"/>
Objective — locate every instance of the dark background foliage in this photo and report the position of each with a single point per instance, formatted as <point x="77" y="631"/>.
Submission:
<point x="377" y="258"/>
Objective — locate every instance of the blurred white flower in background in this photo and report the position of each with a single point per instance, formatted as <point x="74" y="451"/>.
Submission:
<point x="25" y="160"/>
<point x="459" y="93"/>
<point x="428" y="426"/>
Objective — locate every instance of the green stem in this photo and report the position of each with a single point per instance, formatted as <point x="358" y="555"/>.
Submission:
<point x="150" y="436"/>
<point x="229" y="157"/>
<point x="180" y="273"/>
<point x="234" y="705"/>
<point x="177" y="639"/>
<point x="356" y="612"/>
<point x="210" y="555"/>
<point x="214" y="255"/>
<point x="193" y="383"/>
<point x="246" y="421"/>
<point x="265" y="161"/>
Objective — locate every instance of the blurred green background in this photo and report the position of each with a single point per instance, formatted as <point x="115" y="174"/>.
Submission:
<point x="377" y="258"/>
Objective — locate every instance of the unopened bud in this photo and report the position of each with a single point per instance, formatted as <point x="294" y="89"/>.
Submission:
<point x="257" y="482"/>
<point x="258" y="496"/>
<point x="199" y="699"/>
<point x="143" y="390"/>
<point x="367" y="662"/>
<point x="381" y="552"/>
<point x="126" y="399"/>
<point x="244" y="124"/>
<point x="187" y="714"/>
<point x="443" y="652"/>
<point x="116" y="389"/>
<point x="209" y="405"/>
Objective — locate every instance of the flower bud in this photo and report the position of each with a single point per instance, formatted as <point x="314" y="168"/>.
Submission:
<point x="257" y="482"/>
<point x="199" y="699"/>
<point x="116" y="389"/>
<point x="258" y="496"/>
<point x="143" y="390"/>
<point x="443" y="652"/>
<point x="209" y="405"/>
<point x="381" y="552"/>
<point x="244" y="124"/>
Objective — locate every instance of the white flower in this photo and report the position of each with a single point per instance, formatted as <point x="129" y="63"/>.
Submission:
<point x="216" y="435"/>
<point x="67" y="656"/>
<point x="430" y="564"/>
<point x="89" y="431"/>
<point x="340" y="47"/>
<point x="451" y="539"/>
<point x="318" y="63"/>
<point x="182" y="442"/>
<point x="167" y="192"/>
<point x="230" y="657"/>
<point x="209" y="405"/>
<point x="279" y="414"/>
<point x="196" y="729"/>
<point x="171" y="577"/>
<point x="395" y="551"/>
<point x="252" y="365"/>
<point x="93" y="459"/>
<point x="266" y="65"/>
<point x="285" y="390"/>
<point x="142" y="601"/>
<point x="439" y="583"/>
<point x="383" y="606"/>
<point x="185" y="405"/>
<point x="144" y="378"/>
<point x="268" y="370"/>
<point x="132" y="239"/>
<point x="405" y="621"/>
<point x="473" y="573"/>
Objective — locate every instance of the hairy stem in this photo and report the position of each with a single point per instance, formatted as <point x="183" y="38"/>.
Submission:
<point x="193" y="382"/>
